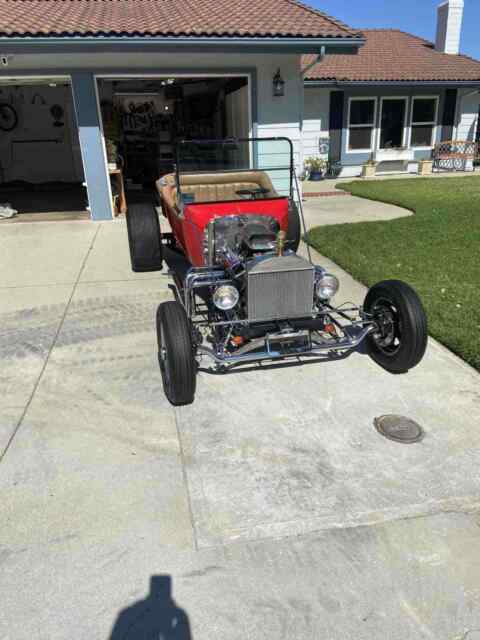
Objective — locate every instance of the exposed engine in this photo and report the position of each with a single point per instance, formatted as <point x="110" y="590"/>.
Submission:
<point x="231" y="240"/>
<point x="267" y="282"/>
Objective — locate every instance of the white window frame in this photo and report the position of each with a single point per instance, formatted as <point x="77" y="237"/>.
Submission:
<point x="433" y="124"/>
<point x="362" y="126"/>
<point x="405" y="121"/>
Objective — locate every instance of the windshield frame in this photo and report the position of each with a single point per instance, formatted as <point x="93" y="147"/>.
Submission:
<point x="227" y="141"/>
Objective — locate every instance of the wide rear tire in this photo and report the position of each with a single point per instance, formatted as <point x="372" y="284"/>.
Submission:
<point x="144" y="238"/>
<point x="400" y="342"/>
<point x="176" y="353"/>
<point x="294" y="232"/>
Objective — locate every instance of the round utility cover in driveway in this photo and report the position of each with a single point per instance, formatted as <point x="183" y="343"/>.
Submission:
<point x="399" y="428"/>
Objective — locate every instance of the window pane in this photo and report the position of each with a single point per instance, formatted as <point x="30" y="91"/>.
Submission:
<point x="422" y="136"/>
<point x="424" y="110"/>
<point x="360" y="138"/>
<point x="362" y="111"/>
<point x="393" y="120"/>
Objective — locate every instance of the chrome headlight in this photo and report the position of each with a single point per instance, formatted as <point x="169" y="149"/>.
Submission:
<point x="326" y="284"/>
<point x="226" y="297"/>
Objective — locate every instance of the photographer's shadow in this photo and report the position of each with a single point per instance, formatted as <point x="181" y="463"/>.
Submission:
<point x="155" y="618"/>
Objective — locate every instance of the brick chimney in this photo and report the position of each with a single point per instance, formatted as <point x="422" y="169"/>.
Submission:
<point x="449" y="26"/>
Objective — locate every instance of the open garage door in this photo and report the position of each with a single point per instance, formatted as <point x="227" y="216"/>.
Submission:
<point x="41" y="169"/>
<point x="142" y="117"/>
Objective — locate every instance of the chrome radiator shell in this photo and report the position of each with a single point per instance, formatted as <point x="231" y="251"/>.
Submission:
<point x="279" y="287"/>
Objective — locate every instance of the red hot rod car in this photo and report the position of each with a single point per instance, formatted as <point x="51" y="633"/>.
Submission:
<point x="242" y="292"/>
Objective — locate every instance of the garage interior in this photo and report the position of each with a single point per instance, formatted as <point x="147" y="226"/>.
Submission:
<point x="41" y="170"/>
<point x="143" y="117"/>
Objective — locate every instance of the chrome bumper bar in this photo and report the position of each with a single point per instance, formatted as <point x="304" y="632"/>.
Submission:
<point x="350" y="341"/>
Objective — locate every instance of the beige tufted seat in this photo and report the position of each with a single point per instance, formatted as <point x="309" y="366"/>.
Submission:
<point x="213" y="187"/>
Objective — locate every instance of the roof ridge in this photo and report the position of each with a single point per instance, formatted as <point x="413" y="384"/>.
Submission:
<point x="464" y="55"/>
<point x="325" y="16"/>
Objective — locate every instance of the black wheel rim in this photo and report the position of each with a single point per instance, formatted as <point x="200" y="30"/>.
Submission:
<point x="388" y="336"/>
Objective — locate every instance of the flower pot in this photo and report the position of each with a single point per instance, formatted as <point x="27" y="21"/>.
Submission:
<point x="425" y="167"/>
<point x="315" y="176"/>
<point x="369" y="170"/>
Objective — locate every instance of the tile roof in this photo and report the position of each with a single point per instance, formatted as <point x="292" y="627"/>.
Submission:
<point x="392" y="55"/>
<point x="201" y="18"/>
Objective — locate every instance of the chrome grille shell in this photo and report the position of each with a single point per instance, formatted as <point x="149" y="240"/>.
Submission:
<point x="279" y="287"/>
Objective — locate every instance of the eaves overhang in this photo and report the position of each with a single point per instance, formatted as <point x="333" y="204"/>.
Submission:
<point x="29" y="44"/>
<point x="392" y="83"/>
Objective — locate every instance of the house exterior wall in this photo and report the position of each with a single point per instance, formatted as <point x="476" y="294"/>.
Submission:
<point x="270" y="116"/>
<point x="352" y="161"/>
<point x="467" y="115"/>
<point x="315" y="125"/>
<point x="316" y="118"/>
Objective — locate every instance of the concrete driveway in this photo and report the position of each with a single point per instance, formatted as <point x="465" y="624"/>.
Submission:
<point x="271" y="506"/>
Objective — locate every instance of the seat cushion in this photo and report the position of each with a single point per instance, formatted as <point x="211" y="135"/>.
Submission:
<point x="217" y="192"/>
<point x="214" y="187"/>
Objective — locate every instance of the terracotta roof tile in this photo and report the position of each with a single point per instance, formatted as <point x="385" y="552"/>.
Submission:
<point x="241" y="18"/>
<point x="392" y="55"/>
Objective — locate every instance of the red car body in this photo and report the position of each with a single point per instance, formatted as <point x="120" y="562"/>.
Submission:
<point x="189" y="229"/>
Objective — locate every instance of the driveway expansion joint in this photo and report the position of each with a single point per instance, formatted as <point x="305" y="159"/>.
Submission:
<point x="50" y="350"/>
<point x="185" y="483"/>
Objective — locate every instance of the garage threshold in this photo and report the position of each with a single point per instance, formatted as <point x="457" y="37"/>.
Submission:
<point x="55" y="216"/>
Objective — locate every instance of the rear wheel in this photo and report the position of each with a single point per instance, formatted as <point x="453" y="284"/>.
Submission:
<point x="176" y="353"/>
<point x="400" y="340"/>
<point x="144" y="237"/>
<point x="294" y="232"/>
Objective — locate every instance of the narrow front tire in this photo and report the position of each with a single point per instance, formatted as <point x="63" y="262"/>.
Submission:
<point x="400" y="337"/>
<point x="176" y="354"/>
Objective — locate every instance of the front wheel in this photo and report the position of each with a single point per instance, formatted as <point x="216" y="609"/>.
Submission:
<point x="176" y="353"/>
<point x="400" y="338"/>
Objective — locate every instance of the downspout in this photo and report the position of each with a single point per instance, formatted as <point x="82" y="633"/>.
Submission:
<point x="320" y="57"/>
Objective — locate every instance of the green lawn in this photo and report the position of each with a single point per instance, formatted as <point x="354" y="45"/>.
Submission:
<point x="437" y="251"/>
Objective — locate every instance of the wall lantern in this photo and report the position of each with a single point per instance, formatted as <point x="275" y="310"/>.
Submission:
<point x="278" y="85"/>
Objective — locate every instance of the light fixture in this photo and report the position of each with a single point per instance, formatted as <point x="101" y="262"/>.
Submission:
<point x="226" y="297"/>
<point x="278" y="85"/>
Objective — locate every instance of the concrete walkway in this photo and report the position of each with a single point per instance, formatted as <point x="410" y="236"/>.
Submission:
<point x="272" y="504"/>
<point x="326" y="211"/>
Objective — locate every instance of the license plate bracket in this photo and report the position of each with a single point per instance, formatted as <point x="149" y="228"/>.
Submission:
<point x="288" y="343"/>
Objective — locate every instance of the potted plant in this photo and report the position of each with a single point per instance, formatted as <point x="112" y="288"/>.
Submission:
<point x="369" y="168"/>
<point x="316" y="168"/>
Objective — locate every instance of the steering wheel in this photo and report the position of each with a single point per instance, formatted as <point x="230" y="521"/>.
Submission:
<point x="253" y="193"/>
